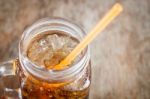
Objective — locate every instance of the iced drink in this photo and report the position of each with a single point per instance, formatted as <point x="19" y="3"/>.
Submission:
<point x="46" y="50"/>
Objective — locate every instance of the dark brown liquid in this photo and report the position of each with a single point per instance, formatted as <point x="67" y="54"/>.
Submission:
<point x="33" y="88"/>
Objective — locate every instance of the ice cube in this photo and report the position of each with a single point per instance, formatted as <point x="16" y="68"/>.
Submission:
<point x="49" y="50"/>
<point x="71" y="43"/>
<point x="43" y="42"/>
<point x="57" y="57"/>
<point x="55" y="41"/>
<point x="39" y="51"/>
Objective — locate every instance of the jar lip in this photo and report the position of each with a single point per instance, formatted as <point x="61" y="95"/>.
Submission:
<point x="52" y="75"/>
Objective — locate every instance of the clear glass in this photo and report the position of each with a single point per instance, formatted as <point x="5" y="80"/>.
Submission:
<point x="34" y="82"/>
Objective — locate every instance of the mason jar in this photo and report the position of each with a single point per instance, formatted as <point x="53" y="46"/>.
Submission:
<point x="23" y="79"/>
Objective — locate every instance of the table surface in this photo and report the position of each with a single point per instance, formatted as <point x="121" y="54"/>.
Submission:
<point x="120" y="54"/>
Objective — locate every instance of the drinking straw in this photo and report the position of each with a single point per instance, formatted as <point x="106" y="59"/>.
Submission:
<point x="102" y="24"/>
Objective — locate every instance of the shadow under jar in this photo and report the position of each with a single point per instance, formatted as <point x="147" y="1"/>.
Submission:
<point x="39" y="82"/>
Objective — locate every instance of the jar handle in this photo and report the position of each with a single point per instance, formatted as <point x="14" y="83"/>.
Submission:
<point x="9" y="81"/>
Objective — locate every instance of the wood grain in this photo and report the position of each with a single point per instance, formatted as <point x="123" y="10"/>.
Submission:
<point x="120" y="55"/>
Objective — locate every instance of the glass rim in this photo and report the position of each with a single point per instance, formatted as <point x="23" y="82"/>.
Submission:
<point x="54" y="75"/>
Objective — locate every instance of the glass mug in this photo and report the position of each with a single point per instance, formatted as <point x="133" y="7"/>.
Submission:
<point x="23" y="79"/>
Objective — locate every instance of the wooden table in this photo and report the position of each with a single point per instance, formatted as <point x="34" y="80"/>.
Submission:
<point x="120" y="55"/>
